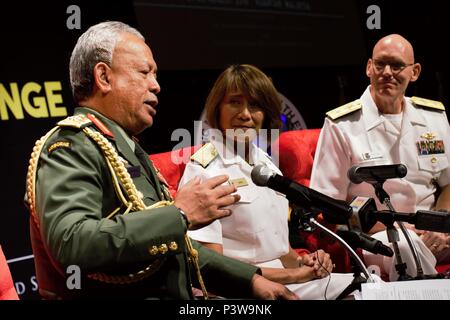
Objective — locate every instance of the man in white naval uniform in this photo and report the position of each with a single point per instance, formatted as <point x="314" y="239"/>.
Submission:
<point x="385" y="127"/>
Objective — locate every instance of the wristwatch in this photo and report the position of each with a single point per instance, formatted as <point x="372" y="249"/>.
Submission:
<point x="183" y="214"/>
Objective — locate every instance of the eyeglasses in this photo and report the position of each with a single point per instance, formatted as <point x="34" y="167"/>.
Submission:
<point x="396" y="67"/>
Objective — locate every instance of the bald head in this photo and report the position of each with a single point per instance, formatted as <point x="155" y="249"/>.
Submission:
<point x="394" y="42"/>
<point x="390" y="70"/>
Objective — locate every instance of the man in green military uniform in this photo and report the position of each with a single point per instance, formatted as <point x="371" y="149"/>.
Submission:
<point x="96" y="202"/>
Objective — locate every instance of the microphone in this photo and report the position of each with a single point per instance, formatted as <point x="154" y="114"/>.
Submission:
<point x="334" y="211"/>
<point x="360" y="240"/>
<point x="362" y="219"/>
<point x="374" y="174"/>
<point x="437" y="221"/>
<point x="365" y="215"/>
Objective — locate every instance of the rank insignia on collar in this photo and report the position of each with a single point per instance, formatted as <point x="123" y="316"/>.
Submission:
<point x="100" y="125"/>
<point x="428" y="135"/>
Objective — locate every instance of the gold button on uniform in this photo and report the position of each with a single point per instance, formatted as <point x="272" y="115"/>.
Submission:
<point x="433" y="160"/>
<point x="173" y="246"/>
<point x="163" y="248"/>
<point x="153" y="250"/>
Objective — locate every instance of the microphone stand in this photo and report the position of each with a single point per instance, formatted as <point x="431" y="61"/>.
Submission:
<point x="393" y="237"/>
<point x="358" y="266"/>
<point x="357" y="280"/>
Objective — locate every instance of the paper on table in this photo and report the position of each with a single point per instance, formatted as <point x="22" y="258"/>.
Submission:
<point x="436" y="289"/>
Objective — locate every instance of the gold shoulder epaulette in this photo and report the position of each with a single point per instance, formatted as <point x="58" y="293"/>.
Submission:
<point x="433" y="104"/>
<point x="205" y="155"/>
<point x="79" y="121"/>
<point x="344" y="110"/>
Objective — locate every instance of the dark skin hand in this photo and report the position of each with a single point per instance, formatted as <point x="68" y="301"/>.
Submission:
<point x="204" y="202"/>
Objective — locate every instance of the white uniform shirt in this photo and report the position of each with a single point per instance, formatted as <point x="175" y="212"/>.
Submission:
<point x="366" y="138"/>
<point x="257" y="230"/>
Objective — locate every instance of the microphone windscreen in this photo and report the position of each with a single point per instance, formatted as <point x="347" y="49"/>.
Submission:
<point x="379" y="173"/>
<point x="261" y="175"/>
<point x="402" y="170"/>
<point x="352" y="176"/>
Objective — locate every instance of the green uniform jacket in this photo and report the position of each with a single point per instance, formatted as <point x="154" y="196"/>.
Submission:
<point x="75" y="193"/>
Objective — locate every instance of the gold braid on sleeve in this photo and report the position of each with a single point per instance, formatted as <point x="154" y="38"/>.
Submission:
<point x="31" y="174"/>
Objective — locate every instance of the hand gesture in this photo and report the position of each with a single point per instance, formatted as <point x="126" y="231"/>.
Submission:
<point x="268" y="290"/>
<point x="204" y="202"/>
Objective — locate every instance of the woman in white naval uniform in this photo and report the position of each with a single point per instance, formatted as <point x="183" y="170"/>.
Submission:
<point x="385" y="127"/>
<point x="244" y="100"/>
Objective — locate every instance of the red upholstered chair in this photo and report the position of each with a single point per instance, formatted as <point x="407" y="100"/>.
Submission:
<point x="296" y="153"/>
<point x="7" y="290"/>
<point x="296" y="156"/>
<point x="443" y="268"/>
<point x="171" y="164"/>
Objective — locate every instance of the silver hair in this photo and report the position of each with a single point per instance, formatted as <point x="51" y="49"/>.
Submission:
<point x="95" y="45"/>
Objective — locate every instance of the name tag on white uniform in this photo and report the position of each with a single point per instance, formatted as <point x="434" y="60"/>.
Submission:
<point x="371" y="156"/>
<point x="239" y="182"/>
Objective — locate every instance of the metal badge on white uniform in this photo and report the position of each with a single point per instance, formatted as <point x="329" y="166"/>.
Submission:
<point x="428" y="135"/>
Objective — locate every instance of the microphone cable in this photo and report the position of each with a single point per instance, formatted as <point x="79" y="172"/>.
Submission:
<point x="329" y="275"/>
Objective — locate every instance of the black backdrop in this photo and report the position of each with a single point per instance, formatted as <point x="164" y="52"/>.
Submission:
<point x="315" y="52"/>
